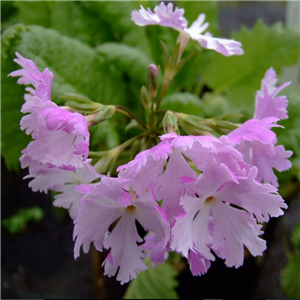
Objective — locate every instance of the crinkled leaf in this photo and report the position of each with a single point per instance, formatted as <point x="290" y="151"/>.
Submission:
<point x="117" y="16"/>
<point x="240" y="76"/>
<point x="183" y="102"/>
<point x="8" y="14"/>
<point x="154" y="283"/>
<point x="104" y="136"/>
<point x="76" y="67"/>
<point x="83" y="23"/>
<point x="130" y="60"/>
<point x="35" y="12"/>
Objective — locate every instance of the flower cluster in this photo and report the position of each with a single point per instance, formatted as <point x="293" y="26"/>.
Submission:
<point x="201" y="196"/>
<point x="57" y="155"/>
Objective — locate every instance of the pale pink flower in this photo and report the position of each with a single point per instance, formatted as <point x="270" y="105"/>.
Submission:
<point x="29" y="74"/>
<point x="254" y="129"/>
<point x="211" y="222"/>
<point x="34" y="107"/>
<point x="58" y="180"/>
<point x="157" y="252"/>
<point x="198" y="263"/>
<point x="61" y="139"/>
<point x="265" y="157"/>
<point x="38" y="97"/>
<point x="267" y="103"/>
<point x="254" y="138"/>
<point x="164" y="15"/>
<point x="114" y="200"/>
<point x="148" y="167"/>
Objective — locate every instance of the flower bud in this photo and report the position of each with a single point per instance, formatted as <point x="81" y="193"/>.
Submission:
<point x="145" y="98"/>
<point x="183" y="40"/>
<point x="152" y="82"/>
<point x="79" y="103"/>
<point x="103" y="113"/>
<point x="170" y="122"/>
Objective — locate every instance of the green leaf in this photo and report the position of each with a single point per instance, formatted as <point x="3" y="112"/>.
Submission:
<point x="295" y="238"/>
<point x="19" y="220"/>
<point x="182" y="102"/>
<point x="8" y="14"/>
<point x="240" y="76"/>
<point x="76" y="67"/>
<point x="130" y="60"/>
<point x="35" y="12"/>
<point x="116" y="14"/>
<point x="155" y="283"/>
<point x="290" y="279"/>
<point x="83" y="23"/>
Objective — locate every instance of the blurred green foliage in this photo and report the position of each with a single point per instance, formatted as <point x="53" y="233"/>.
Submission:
<point x="290" y="279"/>
<point x="19" y="221"/>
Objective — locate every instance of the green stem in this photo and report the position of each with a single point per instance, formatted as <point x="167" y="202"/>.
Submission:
<point x="129" y="142"/>
<point x="162" y="93"/>
<point x="123" y="110"/>
<point x="152" y="116"/>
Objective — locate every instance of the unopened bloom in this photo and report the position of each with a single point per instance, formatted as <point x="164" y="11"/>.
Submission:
<point x="164" y="15"/>
<point x="114" y="200"/>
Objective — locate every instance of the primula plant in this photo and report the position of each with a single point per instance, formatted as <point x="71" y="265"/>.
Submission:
<point x="184" y="179"/>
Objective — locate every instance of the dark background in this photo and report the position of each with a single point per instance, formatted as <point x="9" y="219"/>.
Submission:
<point x="38" y="262"/>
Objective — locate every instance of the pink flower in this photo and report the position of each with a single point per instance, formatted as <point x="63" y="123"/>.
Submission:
<point x="114" y="200"/>
<point x="42" y="82"/>
<point x="267" y="104"/>
<point x="254" y="138"/>
<point x="148" y="167"/>
<point x="265" y="157"/>
<point x="58" y="180"/>
<point x="33" y="107"/>
<point x="39" y="97"/>
<point x="198" y="263"/>
<point x="211" y="222"/>
<point x="165" y="16"/>
<point x="254" y="129"/>
<point x="157" y="252"/>
<point x="61" y="139"/>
